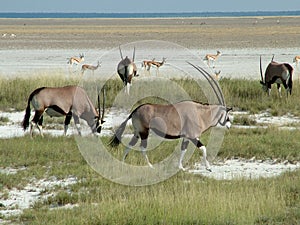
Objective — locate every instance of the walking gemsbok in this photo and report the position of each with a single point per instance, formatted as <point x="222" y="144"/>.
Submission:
<point x="126" y="70"/>
<point x="186" y="119"/>
<point x="279" y="73"/>
<point x="68" y="101"/>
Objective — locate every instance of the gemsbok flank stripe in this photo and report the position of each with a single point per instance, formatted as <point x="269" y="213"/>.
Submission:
<point x="185" y="119"/>
<point x="68" y="101"/>
<point x="126" y="70"/>
<point x="279" y="73"/>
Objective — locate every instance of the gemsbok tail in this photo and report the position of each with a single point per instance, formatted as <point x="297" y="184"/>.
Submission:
<point x="25" y="122"/>
<point x="116" y="139"/>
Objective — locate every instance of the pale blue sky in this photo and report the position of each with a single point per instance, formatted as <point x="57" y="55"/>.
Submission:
<point x="121" y="6"/>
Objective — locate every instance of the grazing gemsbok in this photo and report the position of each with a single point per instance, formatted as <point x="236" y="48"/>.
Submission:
<point x="75" y="60"/>
<point x="210" y="57"/>
<point x="279" y="73"/>
<point x="68" y="101"/>
<point x="158" y="64"/>
<point x="186" y="119"/>
<point x="126" y="70"/>
<point x="85" y="67"/>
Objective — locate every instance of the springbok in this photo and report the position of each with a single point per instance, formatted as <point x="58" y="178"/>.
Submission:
<point x="186" y="119"/>
<point x="217" y="74"/>
<point x="75" y="60"/>
<point x="296" y="59"/>
<point x="147" y="64"/>
<point x="279" y="73"/>
<point x="158" y="64"/>
<point x="211" y="57"/>
<point x="126" y="70"/>
<point x="68" y="101"/>
<point x="85" y="67"/>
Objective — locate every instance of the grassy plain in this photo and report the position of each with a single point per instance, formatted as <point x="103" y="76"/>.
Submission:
<point x="183" y="199"/>
<point x="241" y="94"/>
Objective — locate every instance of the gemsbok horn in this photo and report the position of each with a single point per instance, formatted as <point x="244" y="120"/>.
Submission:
<point x="185" y="119"/>
<point x="279" y="73"/>
<point x="68" y="101"/>
<point x="126" y="70"/>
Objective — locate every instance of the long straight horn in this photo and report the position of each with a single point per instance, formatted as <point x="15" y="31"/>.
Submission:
<point x="98" y="104"/>
<point x="133" y="56"/>
<point x="120" y="52"/>
<point x="216" y="84"/>
<point x="261" y="74"/>
<point x="103" y="104"/>
<point x="209" y="78"/>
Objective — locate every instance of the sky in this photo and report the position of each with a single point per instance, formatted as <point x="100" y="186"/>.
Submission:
<point x="133" y="6"/>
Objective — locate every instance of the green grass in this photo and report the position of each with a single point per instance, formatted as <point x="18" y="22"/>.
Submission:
<point x="241" y="94"/>
<point x="182" y="199"/>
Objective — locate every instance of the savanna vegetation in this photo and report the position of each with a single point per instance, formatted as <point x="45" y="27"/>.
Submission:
<point x="183" y="199"/>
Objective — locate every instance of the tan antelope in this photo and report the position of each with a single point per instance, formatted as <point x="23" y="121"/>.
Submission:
<point x="296" y="59"/>
<point x="158" y="64"/>
<point x="211" y="58"/>
<point x="68" y="101"/>
<point x="127" y="70"/>
<point x="85" y="67"/>
<point x="185" y="119"/>
<point x="147" y="64"/>
<point x="217" y="74"/>
<point x="279" y="73"/>
<point x="75" y="60"/>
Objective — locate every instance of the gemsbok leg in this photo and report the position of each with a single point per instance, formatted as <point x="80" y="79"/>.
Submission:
<point x="199" y="145"/>
<point x="143" y="146"/>
<point x="184" y="146"/>
<point x="77" y="123"/>
<point x="38" y="121"/>
<point x="132" y="143"/>
<point x="67" y="122"/>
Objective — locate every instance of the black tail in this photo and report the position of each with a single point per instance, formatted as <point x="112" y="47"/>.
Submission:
<point x="116" y="139"/>
<point x="291" y="70"/>
<point x="25" y="122"/>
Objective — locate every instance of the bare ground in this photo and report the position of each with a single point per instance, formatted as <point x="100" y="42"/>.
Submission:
<point x="203" y="33"/>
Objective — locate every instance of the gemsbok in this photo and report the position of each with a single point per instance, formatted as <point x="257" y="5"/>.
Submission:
<point x="85" y="67"/>
<point x="279" y="73"/>
<point x="75" y="60"/>
<point x="211" y="58"/>
<point x="185" y="119"/>
<point x="126" y="70"/>
<point x="68" y="101"/>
